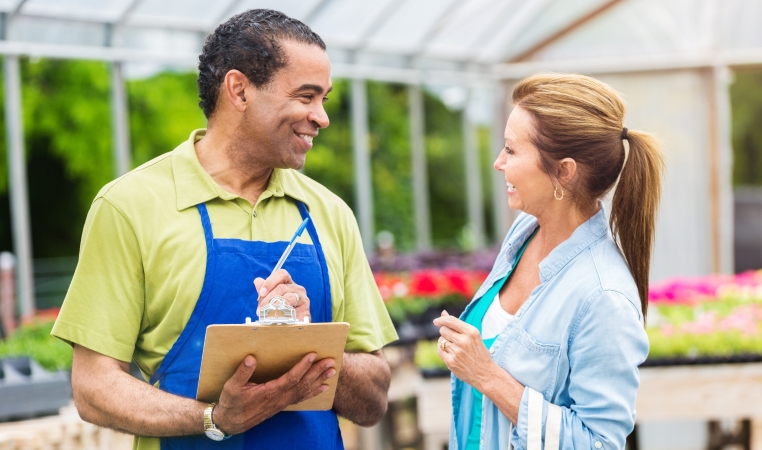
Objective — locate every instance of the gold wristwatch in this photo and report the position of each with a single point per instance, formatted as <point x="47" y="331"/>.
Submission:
<point x="211" y="430"/>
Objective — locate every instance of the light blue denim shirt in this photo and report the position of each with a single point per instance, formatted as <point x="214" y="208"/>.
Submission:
<point x="578" y="340"/>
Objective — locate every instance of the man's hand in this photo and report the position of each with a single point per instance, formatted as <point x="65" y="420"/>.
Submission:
<point x="280" y="284"/>
<point x="244" y="404"/>
<point x="107" y="395"/>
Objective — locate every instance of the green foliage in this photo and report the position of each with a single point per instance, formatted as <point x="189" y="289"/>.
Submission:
<point x="163" y="112"/>
<point x="426" y="356"/>
<point x="68" y="137"/>
<point x="746" y="101"/>
<point x="669" y="339"/>
<point x="34" y="340"/>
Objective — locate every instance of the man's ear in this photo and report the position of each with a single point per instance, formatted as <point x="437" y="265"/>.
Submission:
<point x="234" y="88"/>
<point x="567" y="168"/>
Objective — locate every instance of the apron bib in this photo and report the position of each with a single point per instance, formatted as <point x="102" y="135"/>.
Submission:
<point x="228" y="296"/>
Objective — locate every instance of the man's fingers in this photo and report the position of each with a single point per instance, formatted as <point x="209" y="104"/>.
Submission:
<point x="278" y="277"/>
<point x="244" y="371"/>
<point x="258" y="282"/>
<point x="294" y="376"/>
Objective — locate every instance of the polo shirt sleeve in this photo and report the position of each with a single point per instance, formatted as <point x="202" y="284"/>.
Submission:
<point x="104" y="305"/>
<point x="370" y="327"/>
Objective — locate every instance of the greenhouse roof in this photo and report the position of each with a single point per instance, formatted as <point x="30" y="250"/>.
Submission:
<point x="402" y="40"/>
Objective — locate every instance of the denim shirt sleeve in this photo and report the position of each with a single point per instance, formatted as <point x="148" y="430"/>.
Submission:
<point x="606" y="346"/>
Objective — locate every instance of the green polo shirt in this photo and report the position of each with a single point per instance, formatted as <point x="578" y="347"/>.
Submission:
<point x="143" y="257"/>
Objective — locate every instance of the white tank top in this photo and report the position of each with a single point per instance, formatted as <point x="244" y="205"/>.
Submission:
<point x="495" y="320"/>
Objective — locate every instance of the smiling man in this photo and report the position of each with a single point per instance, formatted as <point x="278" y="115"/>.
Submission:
<point x="187" y="240"/>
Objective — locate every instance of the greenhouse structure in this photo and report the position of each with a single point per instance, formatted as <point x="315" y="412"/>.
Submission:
<point x="673" y="62"/>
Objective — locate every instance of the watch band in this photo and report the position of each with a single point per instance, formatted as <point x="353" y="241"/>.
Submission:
<point x="210" y="428"/>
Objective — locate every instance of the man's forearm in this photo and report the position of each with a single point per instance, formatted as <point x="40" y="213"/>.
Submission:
<point x="110" y="397"/>
<point x="361" y="394"/>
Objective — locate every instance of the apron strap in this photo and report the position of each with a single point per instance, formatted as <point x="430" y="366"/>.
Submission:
<point x="321" y="257"/>
<point x="207" y="224"/>
<point x="534" y="416"/>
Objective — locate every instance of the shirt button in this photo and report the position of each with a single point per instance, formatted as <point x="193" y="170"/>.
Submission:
<point x="491" y="351"/>
<point x="598" y="444"/>
<point x="254" y="214"/>
<point x="518" y="313"/>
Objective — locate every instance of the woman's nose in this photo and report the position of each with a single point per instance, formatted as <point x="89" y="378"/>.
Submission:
<point x="499" y="164"/>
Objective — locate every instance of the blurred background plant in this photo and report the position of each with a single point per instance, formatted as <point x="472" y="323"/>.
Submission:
<point x="33" y="339"/>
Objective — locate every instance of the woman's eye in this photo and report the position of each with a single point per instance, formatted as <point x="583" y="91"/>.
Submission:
<point x="508" y="150"/>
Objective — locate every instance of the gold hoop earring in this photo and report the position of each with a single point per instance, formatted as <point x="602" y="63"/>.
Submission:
<point x="555" y="194"/>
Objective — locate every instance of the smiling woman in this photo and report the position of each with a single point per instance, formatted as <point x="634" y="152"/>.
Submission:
<point x="555" y="334"/>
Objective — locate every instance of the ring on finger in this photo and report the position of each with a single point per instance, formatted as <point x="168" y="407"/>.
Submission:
<point x="298" y="297"/>
<point x="443" y="344"/>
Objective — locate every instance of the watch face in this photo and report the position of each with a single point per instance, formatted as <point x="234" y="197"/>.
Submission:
<point x="215" y="435"/>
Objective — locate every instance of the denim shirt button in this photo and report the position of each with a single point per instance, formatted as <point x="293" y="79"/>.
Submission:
<point x="492" y="351"/>
<point x="598" y="444"/>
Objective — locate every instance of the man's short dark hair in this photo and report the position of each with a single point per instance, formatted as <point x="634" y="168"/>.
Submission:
<point x="249" y="42"/>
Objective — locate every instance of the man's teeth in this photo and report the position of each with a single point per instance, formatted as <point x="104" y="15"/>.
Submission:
<point x="306" y="138"/>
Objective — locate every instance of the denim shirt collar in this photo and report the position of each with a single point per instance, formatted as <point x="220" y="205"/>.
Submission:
<point x="585" y="234"/>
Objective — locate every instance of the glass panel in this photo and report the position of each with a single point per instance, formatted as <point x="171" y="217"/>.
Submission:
<point x="32" y="29"/>
<point x="90" y="10"/>
<point x="344" y="22"/>
<point x="298" y="9"/>
<point x="473" y="23"/>
<point x="201" y="15"/>
<point x="645" y="27"/>
<point x="409" y="24"/>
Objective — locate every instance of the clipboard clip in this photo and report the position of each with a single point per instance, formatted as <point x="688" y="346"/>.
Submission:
<point x="278" y="312"/>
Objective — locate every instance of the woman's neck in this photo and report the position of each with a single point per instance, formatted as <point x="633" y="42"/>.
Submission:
<point x="558" y="224"/>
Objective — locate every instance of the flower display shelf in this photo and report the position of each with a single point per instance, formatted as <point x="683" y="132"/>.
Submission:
<point x="28" y="390"/>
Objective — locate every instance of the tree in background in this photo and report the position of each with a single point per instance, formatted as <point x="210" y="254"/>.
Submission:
<point x="67" y="121"/>
<point x="746" y="101"/>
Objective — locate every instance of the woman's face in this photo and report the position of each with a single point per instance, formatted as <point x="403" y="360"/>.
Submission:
<point x="529" y="188"/>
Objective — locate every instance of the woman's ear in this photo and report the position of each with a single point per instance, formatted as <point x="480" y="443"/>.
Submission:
<point x="567" y="168"/>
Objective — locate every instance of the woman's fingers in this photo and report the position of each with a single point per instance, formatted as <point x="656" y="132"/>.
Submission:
<point x="452" y="322"/>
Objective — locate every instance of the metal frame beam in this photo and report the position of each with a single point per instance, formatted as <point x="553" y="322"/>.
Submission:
<point x="421" y="207"/>
<point x="120" y="125"/>
<point x="22" y="235"/>
<point x="363" y="174"/>
<point x="474" y="198"/>
<point x="565" y="30"/>
<point x="731" y="58"/>
<point x="501" y="217"/>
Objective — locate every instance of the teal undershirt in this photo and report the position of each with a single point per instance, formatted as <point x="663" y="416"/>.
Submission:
<point x="475" y="318"/>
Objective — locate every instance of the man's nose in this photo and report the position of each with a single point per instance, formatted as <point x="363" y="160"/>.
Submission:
<point x="319" y="117"/>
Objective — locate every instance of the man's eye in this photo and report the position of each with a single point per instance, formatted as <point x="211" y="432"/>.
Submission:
<point x="325" y="99"/>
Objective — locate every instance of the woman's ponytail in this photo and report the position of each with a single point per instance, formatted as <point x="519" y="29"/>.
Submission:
<point x="634" y="206"/>
<point x="579" y="117"/>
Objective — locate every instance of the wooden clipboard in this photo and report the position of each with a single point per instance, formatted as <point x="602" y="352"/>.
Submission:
<point x="277" y="349"/>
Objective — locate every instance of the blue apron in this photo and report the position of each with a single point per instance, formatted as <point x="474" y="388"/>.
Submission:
<point x="228" y="296"/>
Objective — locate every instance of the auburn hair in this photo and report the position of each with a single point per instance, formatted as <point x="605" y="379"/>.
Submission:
<point x="581" y="118"/>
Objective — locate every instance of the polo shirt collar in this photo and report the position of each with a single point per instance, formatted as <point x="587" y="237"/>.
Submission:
<point x="194" y="185"/>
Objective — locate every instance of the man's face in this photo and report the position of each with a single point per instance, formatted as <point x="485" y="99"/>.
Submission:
<point x="286" y="115"/>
